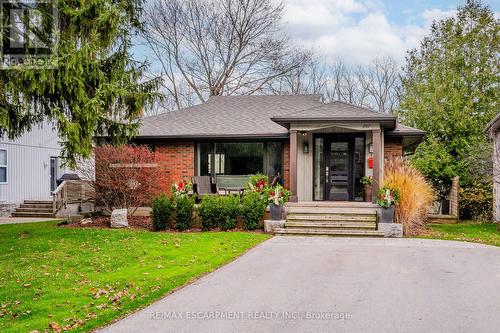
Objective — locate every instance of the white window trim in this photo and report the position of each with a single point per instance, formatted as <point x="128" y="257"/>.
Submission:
<point x="6" y="166"/>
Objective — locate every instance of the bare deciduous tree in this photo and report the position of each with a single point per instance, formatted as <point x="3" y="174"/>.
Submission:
<point x="218" y="47"/>
<point x="381" y="80"/>
<point x="311" y="77"/>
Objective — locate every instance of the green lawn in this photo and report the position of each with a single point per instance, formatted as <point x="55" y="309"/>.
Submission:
<point x="79" y="279"/>
<point x="485" y="233"/>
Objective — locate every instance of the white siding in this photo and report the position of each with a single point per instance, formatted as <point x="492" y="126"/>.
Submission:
<point x="28" y="165"/>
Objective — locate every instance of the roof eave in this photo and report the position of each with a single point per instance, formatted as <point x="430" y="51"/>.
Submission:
<point x="386" y="122"/>
<point x="419" y="133"/>
<point x="213" y="136"/>
<point x="493" y="125"/>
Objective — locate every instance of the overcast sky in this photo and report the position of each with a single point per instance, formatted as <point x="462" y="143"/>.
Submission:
<point x="358" y="30"/>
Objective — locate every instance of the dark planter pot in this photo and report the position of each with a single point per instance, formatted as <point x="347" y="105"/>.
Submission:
<point x="275" y="212"/>
<point x="387" y="215"/>
<point x="368" y="193"/>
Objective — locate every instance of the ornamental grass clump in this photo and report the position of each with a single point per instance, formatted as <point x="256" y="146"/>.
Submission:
<point x="415" y="194"/>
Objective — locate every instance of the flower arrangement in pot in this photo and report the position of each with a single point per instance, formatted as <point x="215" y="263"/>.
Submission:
<point x="367" y="182"/>
<point x="387" y="198"/>
<point x="257" y="183"/>
<point x="277" y="196"/>
<point x="182" y="188"/>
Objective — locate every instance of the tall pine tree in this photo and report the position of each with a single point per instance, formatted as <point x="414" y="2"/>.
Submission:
<point x="451" y="90"/>
<point x="95" y="87"/>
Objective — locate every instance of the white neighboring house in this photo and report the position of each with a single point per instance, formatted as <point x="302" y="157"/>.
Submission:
<point x="493" y="130"/>
<point x="29" y="167"/>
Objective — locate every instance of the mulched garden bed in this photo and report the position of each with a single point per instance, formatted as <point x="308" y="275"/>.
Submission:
<point x="141" y="222"/>
<point x="103" y="222"/>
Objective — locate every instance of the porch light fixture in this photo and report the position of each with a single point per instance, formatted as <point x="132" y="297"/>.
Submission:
<point x="306" y="147"/>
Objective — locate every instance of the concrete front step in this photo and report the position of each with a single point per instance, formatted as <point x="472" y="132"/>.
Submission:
<point x="43" y="202"/>
<point x="35" y="209"/>
<point x="327" y="232"/>
<point x="331" y="225"/>
<point x="332" y="210"/>
<point x="31" y="214"/>
<point x="36" y="206"/>
<point x="332" y="217"/>
<point x="334" y="204"/>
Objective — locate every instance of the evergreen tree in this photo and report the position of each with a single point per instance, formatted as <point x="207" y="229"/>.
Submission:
<point x="95" y="87"/>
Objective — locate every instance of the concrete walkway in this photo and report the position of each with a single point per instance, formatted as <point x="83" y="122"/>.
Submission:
<point x="293" y="284"/>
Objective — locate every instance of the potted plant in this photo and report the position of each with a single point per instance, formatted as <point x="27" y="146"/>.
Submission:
<point x="182" y="188"/>
<point x="277" y="196"/>
<point x="387" y="198"/>
<point x="367" y="182"/>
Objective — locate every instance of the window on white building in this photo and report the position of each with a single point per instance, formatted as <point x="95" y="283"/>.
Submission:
<point x="3" y="166"/>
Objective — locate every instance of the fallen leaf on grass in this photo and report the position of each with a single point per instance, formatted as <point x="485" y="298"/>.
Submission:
<point x="73" y="325"/>
<point x="55" y="327"/>
<point x="102" y="306"/>
<point x="27" y="285"/>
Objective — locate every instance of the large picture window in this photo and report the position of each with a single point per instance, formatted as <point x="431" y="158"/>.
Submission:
<point x="239" y="158"/>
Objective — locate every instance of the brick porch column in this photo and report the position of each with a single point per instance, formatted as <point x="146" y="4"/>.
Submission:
<point x="293" y="165"/>
<point x="377" y="162"/>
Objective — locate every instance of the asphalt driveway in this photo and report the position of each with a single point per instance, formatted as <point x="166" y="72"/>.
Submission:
<point x="295" y="284"/>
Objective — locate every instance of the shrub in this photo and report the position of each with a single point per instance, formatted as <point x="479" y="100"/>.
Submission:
<point x="253" y="209"/>
<point x="126" y="176"/>
<point x="415" y="194"/>
<point x="229" y="211"/>
<point x="184" y="212"/>
<point x="162" y="208"/>
<point x="210" y="211"/>
<point x="476" y="203"/>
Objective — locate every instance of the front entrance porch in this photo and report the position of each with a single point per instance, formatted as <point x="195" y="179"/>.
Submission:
<point x="328" y="161"/>
<point x="339" y="165"/>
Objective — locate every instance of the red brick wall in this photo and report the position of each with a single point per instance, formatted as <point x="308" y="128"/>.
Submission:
<point x="286" y="164"/>
<point x="393" y="147"/>
<point x="179" y="157"/>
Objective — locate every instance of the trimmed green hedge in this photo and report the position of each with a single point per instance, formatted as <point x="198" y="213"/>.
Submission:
<point x="253" y="209"/>
<point x="184" y="206"/>
<point x="162" y="208"/>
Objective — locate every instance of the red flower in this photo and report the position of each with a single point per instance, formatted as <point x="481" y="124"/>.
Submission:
<point x="180" y="185"/>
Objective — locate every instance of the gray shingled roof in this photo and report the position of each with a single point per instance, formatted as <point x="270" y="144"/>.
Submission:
<point x="403" y="130"/>
<point x="255" y="116"/>
<point x="228" y="116"/>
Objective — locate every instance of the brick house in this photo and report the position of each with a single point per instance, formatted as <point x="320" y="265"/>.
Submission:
<point x="320" y="150"/>
<point x="493" y="130"/>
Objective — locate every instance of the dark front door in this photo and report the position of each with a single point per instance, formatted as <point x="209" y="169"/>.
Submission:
<point x="339" y="166"/>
